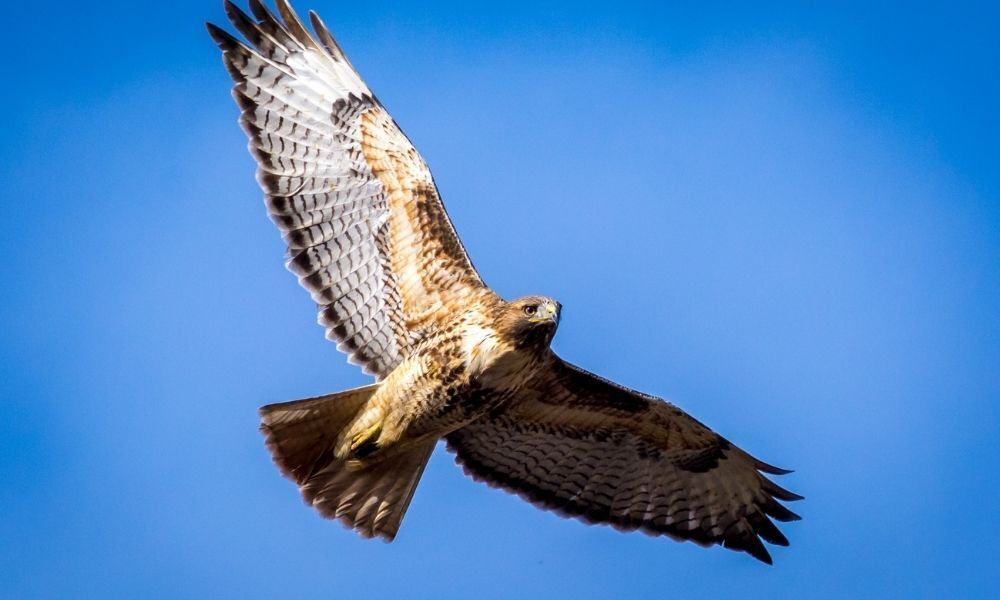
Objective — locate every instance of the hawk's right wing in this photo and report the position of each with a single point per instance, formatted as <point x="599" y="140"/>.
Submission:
<point x="367" y="233"/>
<point x="585" y="447"/>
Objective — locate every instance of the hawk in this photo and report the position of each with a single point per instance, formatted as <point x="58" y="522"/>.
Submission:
<point x="369" y="239"/>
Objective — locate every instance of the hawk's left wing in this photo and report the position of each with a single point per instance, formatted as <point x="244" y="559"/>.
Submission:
<point x="585" y="447"/>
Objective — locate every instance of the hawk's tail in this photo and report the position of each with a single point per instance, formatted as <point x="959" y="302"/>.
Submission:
<point x="373" y="498"/>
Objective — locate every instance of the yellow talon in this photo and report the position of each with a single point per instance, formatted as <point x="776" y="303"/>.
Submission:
<point x="365" y="442"/>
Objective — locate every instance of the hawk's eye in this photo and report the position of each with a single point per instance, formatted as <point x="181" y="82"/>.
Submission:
<point x="530" y="310"/>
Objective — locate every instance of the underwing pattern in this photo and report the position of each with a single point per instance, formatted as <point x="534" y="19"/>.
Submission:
<point x="369" y="239"/>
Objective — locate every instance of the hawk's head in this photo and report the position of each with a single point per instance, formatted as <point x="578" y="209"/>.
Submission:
<point x="530" y="321"/>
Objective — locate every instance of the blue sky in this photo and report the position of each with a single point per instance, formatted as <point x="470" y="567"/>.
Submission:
<point x="784" y="219"/>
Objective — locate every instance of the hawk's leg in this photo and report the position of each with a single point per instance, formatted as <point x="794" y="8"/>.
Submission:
<point x="365" y="442"/>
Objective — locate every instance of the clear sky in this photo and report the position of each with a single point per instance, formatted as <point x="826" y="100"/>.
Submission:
<point x="784" y="219"/>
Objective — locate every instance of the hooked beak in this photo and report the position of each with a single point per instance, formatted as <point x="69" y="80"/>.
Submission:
<point x="548" y="312"/>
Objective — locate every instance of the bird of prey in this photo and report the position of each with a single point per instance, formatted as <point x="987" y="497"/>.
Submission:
<point x="369" y="239"/>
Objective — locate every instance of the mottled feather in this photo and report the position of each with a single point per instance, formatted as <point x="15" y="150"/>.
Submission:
<point x="582" y="446"/>
<point x="366" y="231"/>
<point x="368" y="237"/>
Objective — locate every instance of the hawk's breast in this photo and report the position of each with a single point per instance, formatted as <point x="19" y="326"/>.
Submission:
<point x="493" y="362"/>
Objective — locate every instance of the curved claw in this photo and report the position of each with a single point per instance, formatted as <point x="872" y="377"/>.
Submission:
<point x="365" y="442"/>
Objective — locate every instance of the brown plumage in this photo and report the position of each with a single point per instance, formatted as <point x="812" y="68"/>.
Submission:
<point x="369" y="239"/>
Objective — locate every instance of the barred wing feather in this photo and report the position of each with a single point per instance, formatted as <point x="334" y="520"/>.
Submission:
<point x="366" y="231"/>
<point x="585" y="447"/>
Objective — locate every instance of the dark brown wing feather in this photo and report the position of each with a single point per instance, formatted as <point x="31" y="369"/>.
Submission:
<point x="367" y="233"/>
<point x="585" y="447"/>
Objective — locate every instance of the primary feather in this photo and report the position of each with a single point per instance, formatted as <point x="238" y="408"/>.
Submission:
<point x="366" y="231"/>
<point x="369" y="239"/>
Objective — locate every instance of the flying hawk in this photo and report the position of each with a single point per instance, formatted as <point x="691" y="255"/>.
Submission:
<point x="369" y="238"/>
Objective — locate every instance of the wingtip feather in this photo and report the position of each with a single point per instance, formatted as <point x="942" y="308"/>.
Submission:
<point x="259" y="10"/>
<point x="779" y="492"/>
<point x="238" y="18"/>
<point x="770" y="469"/>
<point x="327" y="39"/>
<point x="294" y="24"/>
<point x="222" y="38"/>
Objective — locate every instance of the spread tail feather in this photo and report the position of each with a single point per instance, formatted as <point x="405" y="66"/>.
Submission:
<point x="371" y="497"/>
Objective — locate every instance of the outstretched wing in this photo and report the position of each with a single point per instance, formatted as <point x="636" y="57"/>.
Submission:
<point x="366" y="230"/>
<point x="585" y="447"/>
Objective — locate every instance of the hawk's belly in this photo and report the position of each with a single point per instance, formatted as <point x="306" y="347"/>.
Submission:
<point x="484" y="374"/>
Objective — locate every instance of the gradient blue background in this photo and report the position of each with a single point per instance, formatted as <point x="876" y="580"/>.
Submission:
<point x="785" y="219"/>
